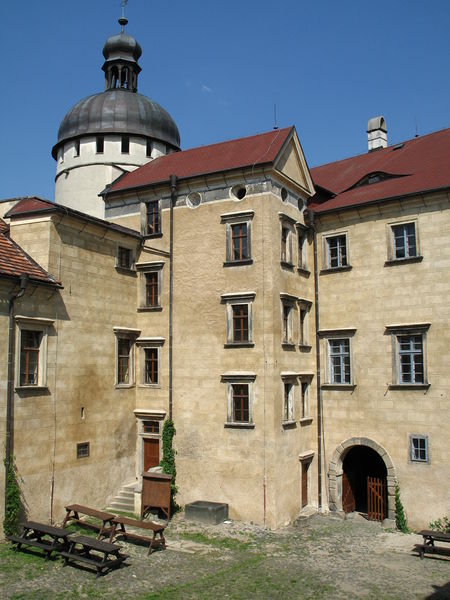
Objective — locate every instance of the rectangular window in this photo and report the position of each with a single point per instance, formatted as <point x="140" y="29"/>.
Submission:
<point x="240" y="322"/>
<point x="151" y="366"/>
<point x="150" y="427"/>
<point x="239" y="241"/>
<point x="76" y="149"/>
<point x="240" y="399"/>
<point x="410" y="359"/>
<point x="419" y="448"/>
<point x="149" y="148"/>
<point x="302" y="240"/>
<point x="152" y="288"/>
<point x="404" y="241"/>
<point x="30" y="342"/>
<point x="100" y="144"/>
<point x="153" y="218"/>
<point x="287" y="323"/>
<point x="125" y="144"/>
<point x="124" y="346"/>
<point x="239" y="318"/>
<point x="83" y="450"/>
<point x="339" y="360"/>
<point x="288" y="404"/>
<point x="284" y="244"/>
<point x="305" y="399"/>
<point x="124" y="258"/>
<point x="336" y="251"/>
<point x="303" y="314"/>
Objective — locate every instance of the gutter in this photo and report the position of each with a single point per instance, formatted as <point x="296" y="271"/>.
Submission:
<point x="10" y="383"/>
<point x="173" y="199"/>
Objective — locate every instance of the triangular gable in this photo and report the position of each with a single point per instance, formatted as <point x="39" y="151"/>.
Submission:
<point x="291" y="163"/>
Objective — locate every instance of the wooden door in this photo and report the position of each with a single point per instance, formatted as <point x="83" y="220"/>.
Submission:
<point x="376" y="490"/>
<point x="305" y="467"/>
<point x="348" y="498"/>
<point x="151" y="453"/>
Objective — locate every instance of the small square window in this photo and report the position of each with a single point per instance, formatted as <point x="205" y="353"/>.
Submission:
<point x="125" y="144"/>
<point x="83" y="450"/>
<point x="125" y="258"/>
<point x="419" y="448"/>
<point x="335" y="252"/>
<point x="100" y="144"/>
<point x="153" y="218"/>
<point x="150" y="426"/>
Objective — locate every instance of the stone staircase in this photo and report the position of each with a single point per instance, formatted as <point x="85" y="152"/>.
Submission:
<point x="124" y="501"/>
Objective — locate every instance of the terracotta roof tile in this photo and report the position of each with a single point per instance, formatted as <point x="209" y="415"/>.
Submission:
<point x="418" y="165"/>
<point x="224" y="156"/>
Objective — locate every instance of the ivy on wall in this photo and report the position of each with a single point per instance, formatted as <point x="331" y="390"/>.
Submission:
<point x="168" y="460"/>
<point x="13" y="502"/>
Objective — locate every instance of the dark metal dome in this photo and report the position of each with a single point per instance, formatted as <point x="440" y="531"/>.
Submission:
<point x="120" y="46"/>
<point x="118" y="111"/>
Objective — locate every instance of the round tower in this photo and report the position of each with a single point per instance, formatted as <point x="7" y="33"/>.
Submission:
<point x="110" y="133"/>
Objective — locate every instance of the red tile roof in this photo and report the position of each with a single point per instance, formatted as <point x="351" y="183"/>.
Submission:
<point x="225" y="156"/>
<point x="423" y="163"/>
<point x="14" y="262"/>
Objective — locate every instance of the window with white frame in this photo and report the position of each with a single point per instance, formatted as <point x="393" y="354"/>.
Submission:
<point x="239" y="309"/>
<point x="150" y="285"/>
<point x="409" y="354"/>
<point x="304" y="307"/>
<point x="418" y="448"/>
<point x="403" y="242"/>
<point x="335" y="251"/>
<point x="302" y="247"/>
<point x="125" y="368"/>
<point x="336" y="350"/>
<point x="150" y="360"/>
<point x="238" y="237"/>
<point x="31" y="351"/>
<point x="240" y="390"/>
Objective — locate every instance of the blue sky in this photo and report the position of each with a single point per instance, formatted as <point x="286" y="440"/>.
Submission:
<point x="218" y="68"/>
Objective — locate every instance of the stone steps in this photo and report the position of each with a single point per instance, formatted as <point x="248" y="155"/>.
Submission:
<point x="124" y="500"/>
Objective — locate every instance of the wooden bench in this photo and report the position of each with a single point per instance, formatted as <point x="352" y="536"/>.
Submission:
<point x="95" y="553"/>
<point x="153" y="542"/>
<point x="429" y="538"/>
<point x="42" y="536"/>
<point x="73" y="512"/>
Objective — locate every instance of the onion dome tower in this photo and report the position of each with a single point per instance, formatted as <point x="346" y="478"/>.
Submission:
<point x="110" y="133"/>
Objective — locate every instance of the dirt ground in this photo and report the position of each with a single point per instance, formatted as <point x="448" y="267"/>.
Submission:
<point x="324" y="557"/>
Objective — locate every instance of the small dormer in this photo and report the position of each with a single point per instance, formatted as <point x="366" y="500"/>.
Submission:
<point x="377" y="133"/>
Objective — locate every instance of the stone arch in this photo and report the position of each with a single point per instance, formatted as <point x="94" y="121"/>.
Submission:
<point x="335" y="471"/>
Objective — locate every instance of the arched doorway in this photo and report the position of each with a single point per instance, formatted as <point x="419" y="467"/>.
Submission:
<point x="364" y="483"/>
<point x="356" y="460"/>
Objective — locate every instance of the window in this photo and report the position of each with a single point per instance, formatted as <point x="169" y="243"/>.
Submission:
<point x="339" y="355"/>
<point x="419" y="448"/>
<point x="125" y="339"/>
<point x="151" y="281"/>
<point x="287" y="234"/>
<point x="149" y="148"/>
<point x="151" y="366"/>
<point x="125" y="258"/>
<point x="288" y="401"/>
<point x="403" y="242"/>
<point x="409" y="345"/>
<point x="238" y="238"/>
<point x="100" y="144"/>
<point x="239" y="399"/>
<point x="288" y="304"/>
<point x="30" y="343"/>
<point x="76" y="148"/>
<point x="83" y="450"/>
<point x="302" y="247"/>
<point x="153" y="218"/>
<point x="31" y="352"/>
<point x="335" y="252"/>
<point x="150" y="361"/>
<point x="304" y="401"/>
<point x="125" y="144"/>
<point x="336" y="350"/>
<point x="304" y="308"/>
<point x="239" y="318"/>
<point x="150" y="426"/>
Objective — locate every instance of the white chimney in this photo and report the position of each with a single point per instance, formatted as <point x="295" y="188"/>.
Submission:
<point x="377" y="133"/>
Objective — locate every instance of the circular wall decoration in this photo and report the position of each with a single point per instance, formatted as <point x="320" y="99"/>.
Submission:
<point x="284" y="194"/>
<point x="193" y="199"/>
<point x="238" y="192"/>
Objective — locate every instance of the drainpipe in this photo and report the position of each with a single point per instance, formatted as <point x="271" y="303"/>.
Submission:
<point x="173" y="199"/>
<point x="10" y="382"/>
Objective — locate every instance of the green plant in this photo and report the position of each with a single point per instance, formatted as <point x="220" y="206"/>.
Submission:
<point x="442" y="525"/>
<point x="168" y="460"/>
<point x="13" y="502"/>
<point x="400" y="518"/>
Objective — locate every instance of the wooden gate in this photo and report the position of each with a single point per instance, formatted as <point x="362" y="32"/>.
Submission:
<point x="348" y="498"/>
<point x="376" y="493"/>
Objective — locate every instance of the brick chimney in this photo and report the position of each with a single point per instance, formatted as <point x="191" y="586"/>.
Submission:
<point x="377" y="133"/>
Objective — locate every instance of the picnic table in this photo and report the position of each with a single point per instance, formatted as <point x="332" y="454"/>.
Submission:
<point x="152" y="541"/>
<point x="73" y="512"/>
<point x="95" y="553"/>
<point x="42" y="536"/>
<point x="429" y="539"/>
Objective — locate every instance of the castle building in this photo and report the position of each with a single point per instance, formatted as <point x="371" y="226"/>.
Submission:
<point x="292" y="323"/>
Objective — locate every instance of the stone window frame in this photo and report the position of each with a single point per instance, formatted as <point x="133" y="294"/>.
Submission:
<point x="234" y="299"/>
<point x="419" y="437"/>
<point x="237" y="218"/>
<point x="143" y="269"/>
<point x="131" y="335"/>
<point x="304" y="307"/>
<point x="326" y="257"/>
<point x="396" y="331"/>
<point x="288" y="418"/>
<point x="288" y="330"/>
<point x="41" y="325"/>
<point x="326" y="335"/>
<point x="302" y="248"/>
<point x="144" y="343"/>
<point x="239" y="378"/>
<point x="287" y="234"/>
<point x="392" y="259"/>
<point x="305" y="397"/>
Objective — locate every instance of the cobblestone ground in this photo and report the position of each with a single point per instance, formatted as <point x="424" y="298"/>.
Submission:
<point x="324" y="557"/>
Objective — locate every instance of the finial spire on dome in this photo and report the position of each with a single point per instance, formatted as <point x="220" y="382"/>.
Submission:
<point x="123" y="21"/>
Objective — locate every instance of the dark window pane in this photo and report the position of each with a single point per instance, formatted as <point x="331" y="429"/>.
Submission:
<point x="153" y="218"/>
<point x="240" y="403"/>
<point x="151" y="366"/>
<point x="151" y="289"/>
